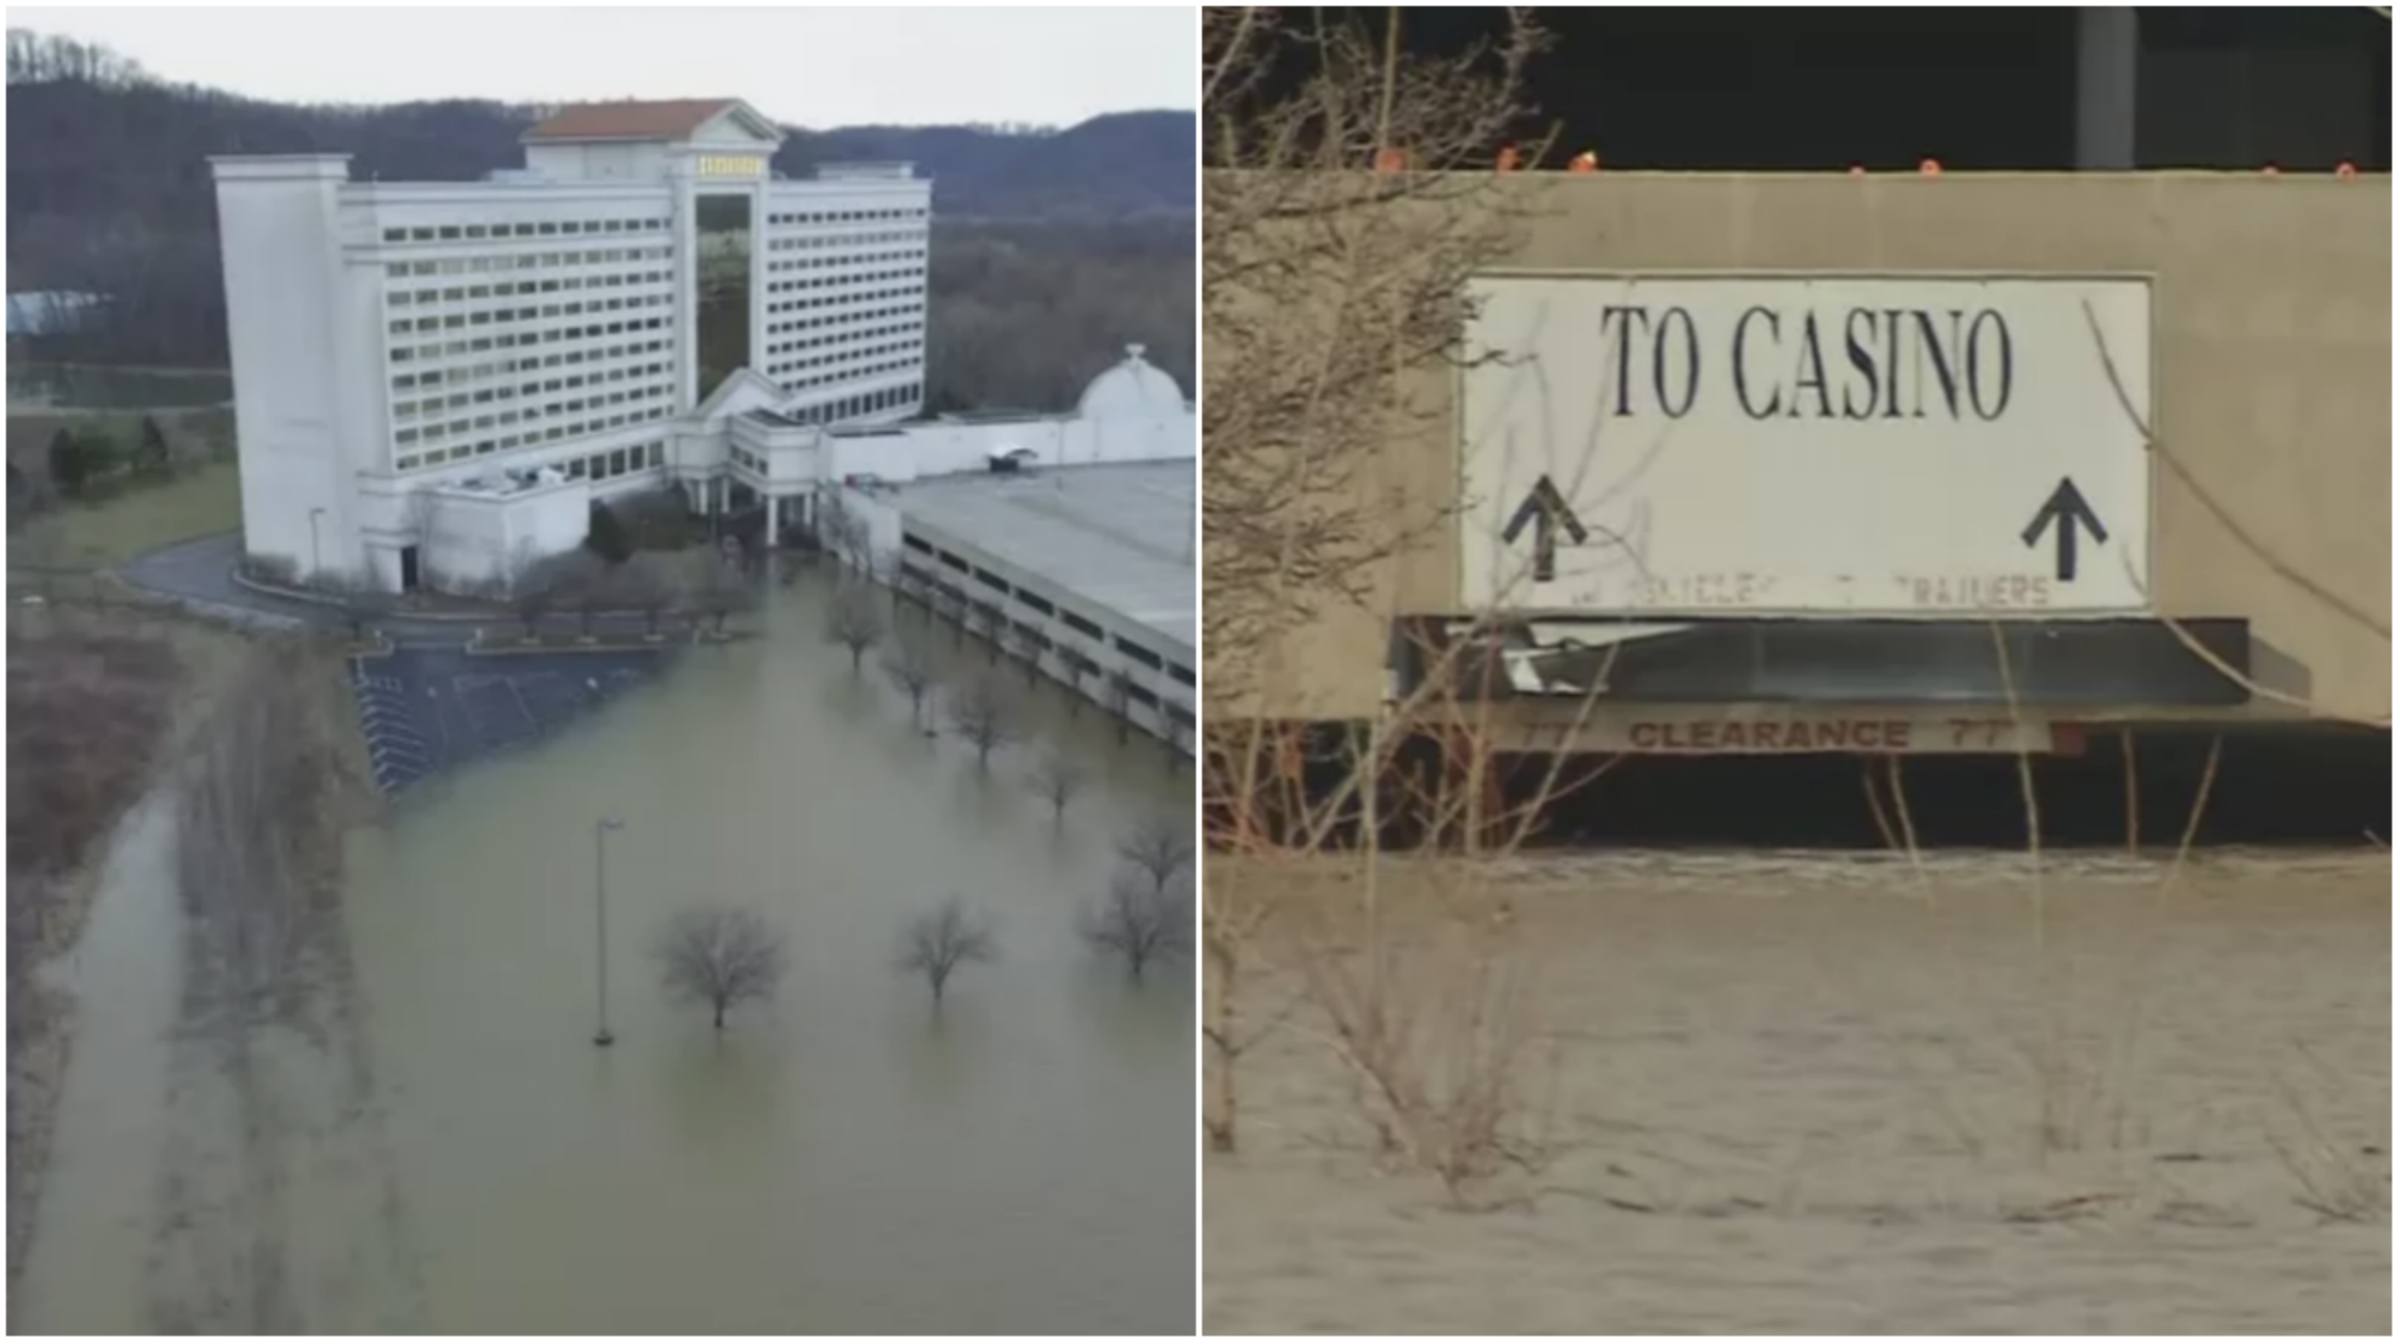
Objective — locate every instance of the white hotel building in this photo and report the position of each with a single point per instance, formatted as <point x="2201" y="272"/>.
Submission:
<point x="434" y="380"/>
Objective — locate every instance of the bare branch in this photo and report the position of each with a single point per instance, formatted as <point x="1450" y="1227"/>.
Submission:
<point x="721" y="956"/>
<point x="938" y="942"/>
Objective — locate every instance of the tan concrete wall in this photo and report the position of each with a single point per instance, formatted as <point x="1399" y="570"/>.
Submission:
<point x="2272" y="344"/>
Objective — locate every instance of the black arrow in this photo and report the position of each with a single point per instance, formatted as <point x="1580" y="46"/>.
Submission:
<point x="2065" y="504"/>
<point x="1547" y="510"/>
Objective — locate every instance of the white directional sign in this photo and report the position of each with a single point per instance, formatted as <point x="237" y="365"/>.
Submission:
<point x="1807" y="444"/>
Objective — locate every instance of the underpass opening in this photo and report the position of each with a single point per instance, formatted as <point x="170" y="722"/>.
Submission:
<point x="2298" y="786"/>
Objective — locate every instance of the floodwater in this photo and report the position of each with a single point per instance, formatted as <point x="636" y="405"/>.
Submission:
<point x="450" y="1152"/>
<point x="1810" y="1093"/>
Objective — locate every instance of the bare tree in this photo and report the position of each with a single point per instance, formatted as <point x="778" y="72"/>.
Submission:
<point x="938" y="942"/>
<point x="1139" y="922"/>
<point x="912" y="669"/>
<point x="1330" y="285"/>
<point x="847" y="535"/>
<point x="1351" y="192"/>
<point x="1023" y="644"/>
<point x="1160" y="847"/>
<point x="995" y="629"/>
<point x="855" y="621"/>
<point x="721" y="956"/>
<point x="985" y="716"/>
<point x="720" y="592"/>
<point x="534" y="591"/>
<point x="644" y="584"/>
<point x="906" y="586"/>
<point x="583" y="583"/>
<point x="363" y="604"/>
<point x="1057" y="778"/>
<point x="1116" y="692"/>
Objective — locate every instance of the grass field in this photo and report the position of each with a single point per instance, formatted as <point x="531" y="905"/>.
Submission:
<point x="137" y="518"/>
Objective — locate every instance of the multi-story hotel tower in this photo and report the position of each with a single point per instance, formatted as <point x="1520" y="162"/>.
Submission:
<point x="434" y="380"/>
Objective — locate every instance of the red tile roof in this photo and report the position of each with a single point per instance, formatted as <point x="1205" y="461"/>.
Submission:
<point x="667" y="119"/>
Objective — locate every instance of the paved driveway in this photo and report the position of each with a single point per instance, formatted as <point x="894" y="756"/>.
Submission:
<point x="428" y="705"/>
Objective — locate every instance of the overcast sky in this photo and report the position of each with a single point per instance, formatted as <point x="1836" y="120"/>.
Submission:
<point x="804" y="67"/>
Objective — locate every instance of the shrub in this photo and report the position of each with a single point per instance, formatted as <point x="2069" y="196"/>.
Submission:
<point x="658" y="520"/>
<point x="150" y="454"/>
<point x="68" y="466"/>
<point x="608" y="538"/>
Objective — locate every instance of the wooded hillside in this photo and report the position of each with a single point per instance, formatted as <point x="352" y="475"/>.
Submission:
<point x="1051" y="250"/>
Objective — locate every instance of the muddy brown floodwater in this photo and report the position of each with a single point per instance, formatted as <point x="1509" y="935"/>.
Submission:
<point x="445" y="1150"/>
<point x="1808" y="1093"/>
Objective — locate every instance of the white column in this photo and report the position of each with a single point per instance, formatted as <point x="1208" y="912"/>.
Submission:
<point x="773" y="515"/>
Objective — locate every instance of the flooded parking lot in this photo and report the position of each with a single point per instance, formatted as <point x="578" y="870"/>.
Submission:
<point x="443" y="1148"/>
<point x="1812" y="1093"/>
<point x="426" y="710"/>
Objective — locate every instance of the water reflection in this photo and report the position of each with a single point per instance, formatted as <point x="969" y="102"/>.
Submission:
<point x="843" y="1157"/>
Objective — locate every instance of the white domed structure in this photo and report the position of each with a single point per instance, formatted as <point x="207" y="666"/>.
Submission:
<point x="1132" y="389"/>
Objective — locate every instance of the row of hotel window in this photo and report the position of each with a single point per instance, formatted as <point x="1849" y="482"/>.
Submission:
<point x="510" y="339"/>
<point x="453" y="376"/>
<point x="806" y="242"/>
<point x="537" y="228"/>
<point x="410" y="410"/>
<point x="484" y="317"/>
<point x="605" y="466"/>
<point x="846" y="322"/>
<point x="1076" y="621"/>
<point x="857" y="403"/>
<point x="647" y="393"/>
<point x="915" y="291"/>
<point x="849" y="259"/>
<point x="844" y="338"/>
<point x="801" y="384"/>
<point x="849" y="216"/>
<point x="843" y="293"/>
<point x="525" y="261"/>
<point x="401" y="354"/>
<point x="402" y="298"/>
<point x="822" y="263"/>
<point x="575" y="468"/>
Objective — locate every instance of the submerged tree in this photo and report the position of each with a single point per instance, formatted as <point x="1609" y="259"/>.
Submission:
<point x="985" y="716"/>
<point x="720" y="956"/>
<point x="938" y="942"/>
<point x="911" y="669"/>
<point x="1160" y="848"/>
<point x="1057" y="778"/>
<point x="1116" y="691"/>
<point x="1139" y="922"/>
<point x="855" y="621"/>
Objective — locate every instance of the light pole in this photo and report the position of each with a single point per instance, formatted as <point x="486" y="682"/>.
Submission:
<point x="316" y="564"/>
<point x="600" y="830"/>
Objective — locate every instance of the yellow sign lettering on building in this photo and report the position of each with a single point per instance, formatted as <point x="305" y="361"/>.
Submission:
<point x="728" y="165"/>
